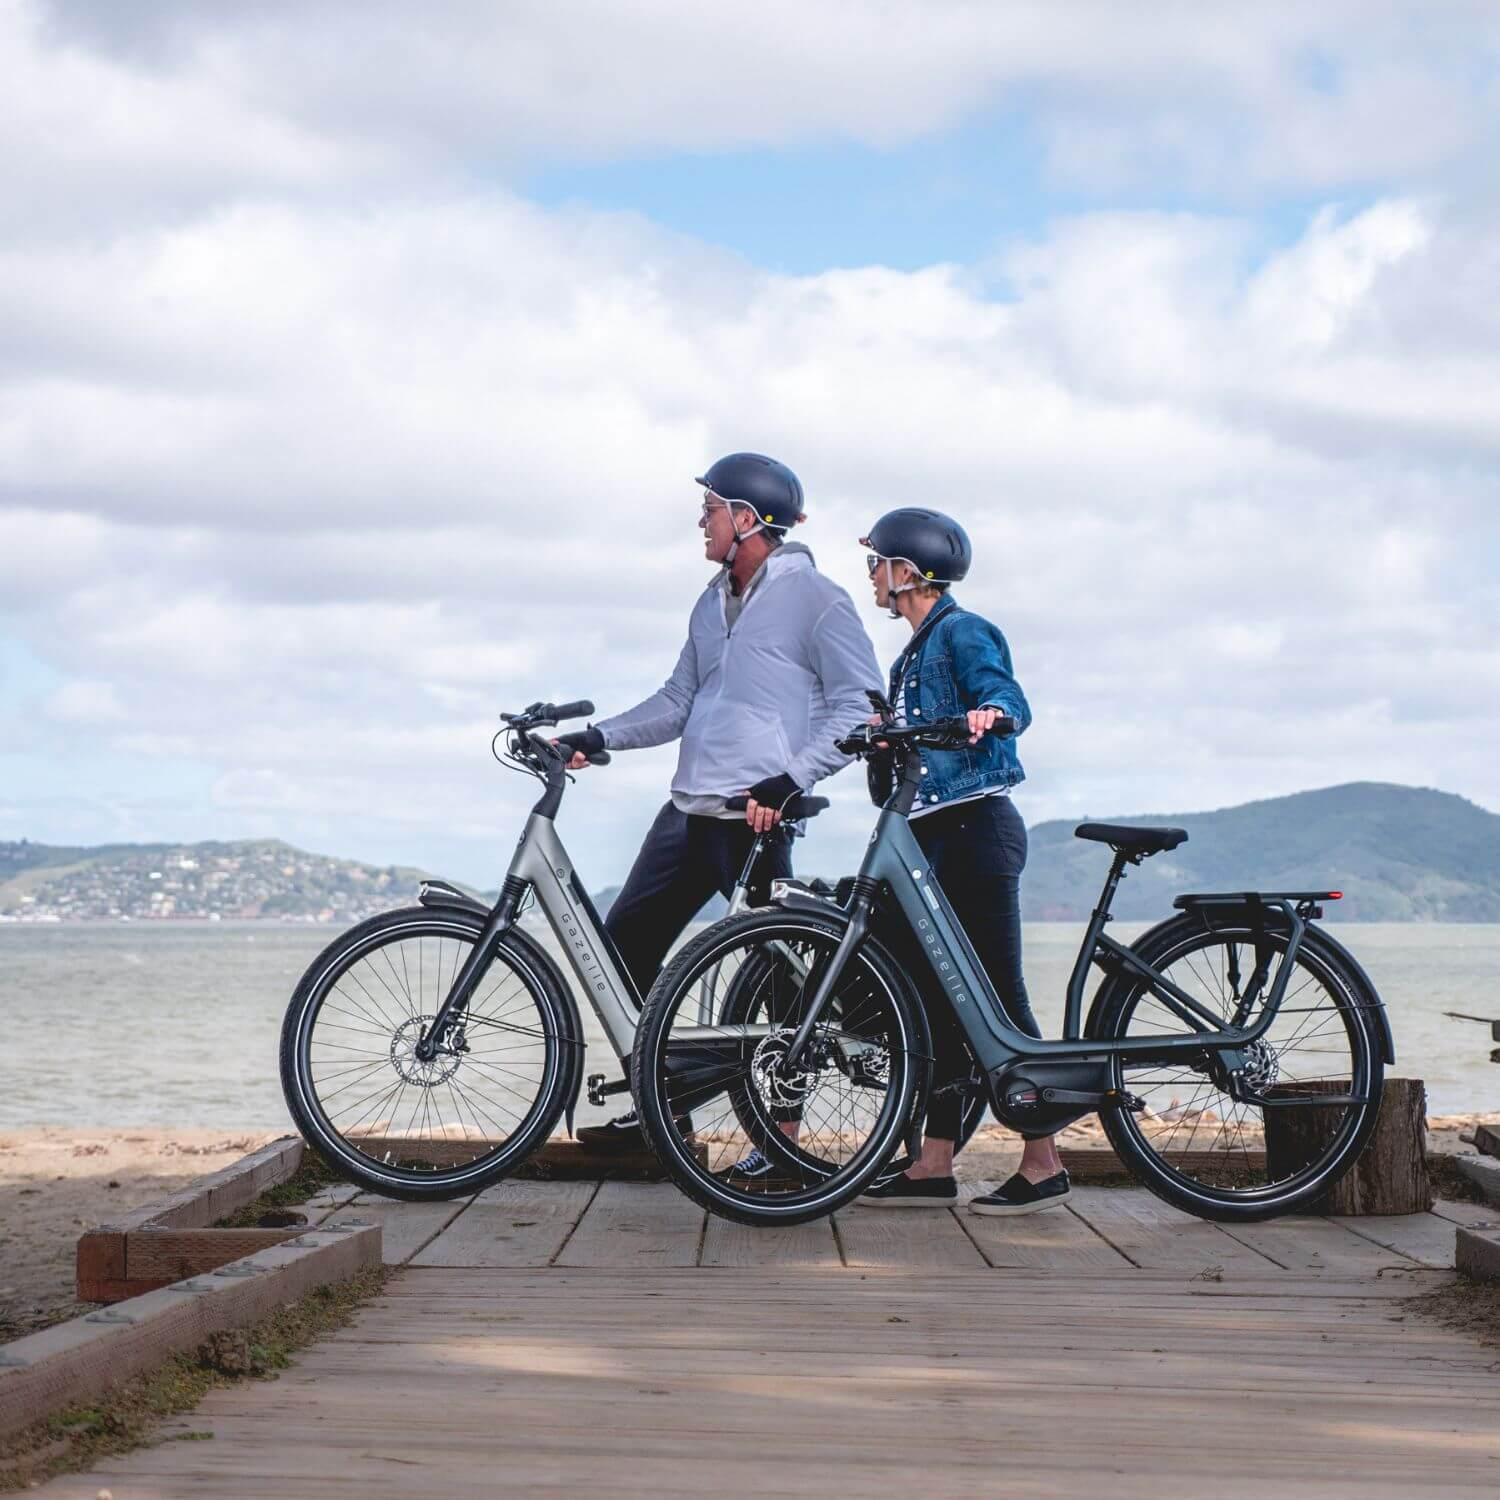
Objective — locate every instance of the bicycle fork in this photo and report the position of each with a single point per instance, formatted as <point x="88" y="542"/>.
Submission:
<point x="501" y="919"/>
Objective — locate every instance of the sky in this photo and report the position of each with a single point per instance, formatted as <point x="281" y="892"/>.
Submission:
<point x="356" y="359"/>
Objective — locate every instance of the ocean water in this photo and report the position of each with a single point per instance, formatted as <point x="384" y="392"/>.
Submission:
<point x="177" y="1024"/>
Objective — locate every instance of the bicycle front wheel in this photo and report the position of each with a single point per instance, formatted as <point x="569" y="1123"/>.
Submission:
<point x="711" y="1082"/>
<point x="1194" y="1143"/>
<point x="442" y="1128"/>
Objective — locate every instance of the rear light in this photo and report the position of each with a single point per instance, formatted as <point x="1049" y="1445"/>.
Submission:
<point x="1335" y="895"/>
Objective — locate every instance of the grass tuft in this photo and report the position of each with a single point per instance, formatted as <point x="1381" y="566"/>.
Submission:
<point x="311" y="1177"/>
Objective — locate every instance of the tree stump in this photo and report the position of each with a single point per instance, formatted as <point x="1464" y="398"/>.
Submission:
<point x="1390" y="1176"/>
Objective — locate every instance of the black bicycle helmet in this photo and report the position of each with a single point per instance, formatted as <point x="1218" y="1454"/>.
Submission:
<point x="770" y="488"/>
<point x="934" y="544"/>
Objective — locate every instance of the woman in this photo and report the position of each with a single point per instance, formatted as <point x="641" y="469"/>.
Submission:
<point x="958" y="663"/>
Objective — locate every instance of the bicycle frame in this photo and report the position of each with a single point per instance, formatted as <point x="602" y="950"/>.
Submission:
<point x="894" y="862"/>
<point x="543" y="867"/>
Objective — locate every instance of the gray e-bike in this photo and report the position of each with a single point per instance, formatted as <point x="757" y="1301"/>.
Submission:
<point x="1234" y="1010"/>
<point x="430" y="1050"/>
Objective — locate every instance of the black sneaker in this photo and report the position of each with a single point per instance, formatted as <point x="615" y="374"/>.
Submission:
<point x="622" y="1136"/>
<point x="758" y="1169"/>
<point x="913" y="1192"/>
<point x="1020" y="1196"/>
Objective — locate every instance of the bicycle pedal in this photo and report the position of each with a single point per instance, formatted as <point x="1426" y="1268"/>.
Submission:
<point x="596" y="1090"/>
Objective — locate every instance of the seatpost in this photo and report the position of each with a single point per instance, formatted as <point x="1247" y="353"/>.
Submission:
<point x="1078" y="980"/>
<point x="741" y="897"/>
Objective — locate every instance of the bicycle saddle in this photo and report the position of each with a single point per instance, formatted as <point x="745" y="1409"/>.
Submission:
<point x="1132" y="840"/>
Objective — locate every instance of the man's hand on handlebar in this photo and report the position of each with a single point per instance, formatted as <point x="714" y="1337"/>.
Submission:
<point x="584" y="743"/>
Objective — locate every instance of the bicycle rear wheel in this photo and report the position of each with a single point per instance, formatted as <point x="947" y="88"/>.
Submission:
<point x="436" y="1129"/>
<point x="708" y="1090"/>
<point x="1196" y="1145"/>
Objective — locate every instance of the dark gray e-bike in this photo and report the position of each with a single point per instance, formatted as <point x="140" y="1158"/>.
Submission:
<point x="1236" y="1007"/>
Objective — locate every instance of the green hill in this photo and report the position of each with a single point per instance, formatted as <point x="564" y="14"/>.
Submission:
<point x="253" y="878"/>
<point x="1398" y="853"/>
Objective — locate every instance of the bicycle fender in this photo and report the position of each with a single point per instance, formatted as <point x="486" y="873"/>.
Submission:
<point x="439" y="893"/>
<point x="1370" y="1002"/>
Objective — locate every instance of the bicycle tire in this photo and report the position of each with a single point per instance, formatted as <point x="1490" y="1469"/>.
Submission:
<point x="307" y="1107"/>
<point x="1174" y="940"/>
<point x="659" y="1114"/>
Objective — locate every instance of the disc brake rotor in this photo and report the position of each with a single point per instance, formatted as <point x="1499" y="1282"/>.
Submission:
<point x="777" y="1086"/>
<point x="409" y="1066"/>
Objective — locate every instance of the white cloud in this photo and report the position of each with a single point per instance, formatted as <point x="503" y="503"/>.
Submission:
<point x="317" y="448"/>
<point x="452" y="472"/>
<point x="172" y="104"/>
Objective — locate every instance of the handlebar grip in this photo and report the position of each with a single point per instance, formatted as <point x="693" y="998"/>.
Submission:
<point x="601" y="759"/>
<point x="579" y="710"/>
<point x="801" y="806"/>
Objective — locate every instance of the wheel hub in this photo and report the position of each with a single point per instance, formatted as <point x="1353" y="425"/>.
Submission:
<point x="778" y="1086"/>
<point x="413" y="1069"/>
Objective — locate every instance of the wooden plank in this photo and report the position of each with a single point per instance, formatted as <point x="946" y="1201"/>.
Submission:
<point x="1321" y="1246"/>
<point x="791" y="1246"/>
<point x="1155" y="1235"/>
<point x="510" y="1224"/>
<point x="915" y="1239"/>
<point x="1474" y="1215"/>
<point x="636" y="1224"/>
<point x="405" y="1227"/>
<point x="1166" y="1385"/>
<point x="154" y="1257"/>
<point x="1052" y="1240"/>
<point x="101" y="1261"/>
<point x="1422" y="1237"/>
<point x="219" y="1194"/>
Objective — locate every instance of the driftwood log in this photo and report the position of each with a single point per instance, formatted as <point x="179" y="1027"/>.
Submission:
<point x="1390" y="1176"/>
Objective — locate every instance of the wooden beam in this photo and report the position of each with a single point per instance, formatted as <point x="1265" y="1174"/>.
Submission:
<point x="87" y="1355"/>
<point x="104" y="1266"/>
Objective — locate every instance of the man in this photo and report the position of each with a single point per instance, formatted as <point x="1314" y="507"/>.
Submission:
<point x="775" y="668"/>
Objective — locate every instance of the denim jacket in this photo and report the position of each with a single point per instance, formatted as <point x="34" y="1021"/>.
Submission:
<point x="957" y="661"/>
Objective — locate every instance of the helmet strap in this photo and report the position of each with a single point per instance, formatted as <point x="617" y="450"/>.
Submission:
<point x="892" y="588"/>
<point x="740" y="536"/>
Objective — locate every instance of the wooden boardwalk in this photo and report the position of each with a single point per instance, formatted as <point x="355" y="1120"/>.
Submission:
<point x="574" y="1337"/>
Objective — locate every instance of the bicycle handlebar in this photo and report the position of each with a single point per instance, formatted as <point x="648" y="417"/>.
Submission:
<point x="548" y="751"/>
<point x="941" y="734"/>
<point x="799" y="807"/>
<point x="549" y="713"/>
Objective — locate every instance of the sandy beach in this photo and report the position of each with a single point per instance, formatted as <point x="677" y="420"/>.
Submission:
<point x="56" y="1182"/>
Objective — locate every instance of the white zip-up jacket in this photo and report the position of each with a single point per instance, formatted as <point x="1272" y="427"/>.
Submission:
<point x="770" y="695"/>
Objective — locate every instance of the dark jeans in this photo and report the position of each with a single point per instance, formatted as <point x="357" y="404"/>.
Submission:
<point x="977" y="851"/>
<point x="684" y="860"/>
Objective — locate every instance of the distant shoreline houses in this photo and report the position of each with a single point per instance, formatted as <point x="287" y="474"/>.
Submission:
<point x="218" y="882"/>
